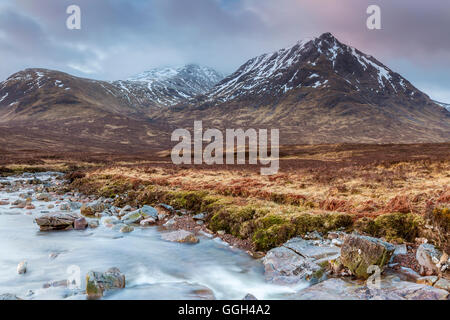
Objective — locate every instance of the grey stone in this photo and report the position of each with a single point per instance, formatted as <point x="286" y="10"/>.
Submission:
<point x="428" y="257"/>
<point x="358" y="253"/>
<point x="180" y="236"/>
<point x="97" y="283"/>
<point x="57" y="221"/>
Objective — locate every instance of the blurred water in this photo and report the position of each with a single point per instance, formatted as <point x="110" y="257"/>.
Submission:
<point x="154" y="269"/>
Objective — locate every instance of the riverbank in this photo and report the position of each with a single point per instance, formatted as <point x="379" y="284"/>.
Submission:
<point x="142" y="249"/>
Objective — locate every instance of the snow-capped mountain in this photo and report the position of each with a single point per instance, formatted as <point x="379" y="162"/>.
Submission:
<point x="169" y="86"/>
<point x="316" y="91"/>
<point x="320" y="91"/>
<point x="323" y="62"/>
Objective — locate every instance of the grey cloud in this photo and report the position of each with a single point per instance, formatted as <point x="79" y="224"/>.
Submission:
<point x="122" y="37"/>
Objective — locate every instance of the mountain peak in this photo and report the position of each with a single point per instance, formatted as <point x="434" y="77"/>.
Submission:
<point x="327" y="36"/>
<point x="319" y="64"/>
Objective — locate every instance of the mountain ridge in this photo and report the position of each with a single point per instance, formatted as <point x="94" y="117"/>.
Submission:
<point x="316" y="91"/>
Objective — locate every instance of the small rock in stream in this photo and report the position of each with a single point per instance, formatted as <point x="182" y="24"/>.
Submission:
<point x="80" y="224"/>
<point x="182" y="236"/>
<point x="97" y="283"/>
<point x="22" y="267"/>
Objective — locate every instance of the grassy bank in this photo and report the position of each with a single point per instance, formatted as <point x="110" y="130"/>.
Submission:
<point x="268" y="222"/>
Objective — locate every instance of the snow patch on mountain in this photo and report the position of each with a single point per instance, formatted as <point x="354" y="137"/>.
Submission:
<point x="444" y="105"/>
<point x="169" y="86"/>
<point x="309" y="64"/>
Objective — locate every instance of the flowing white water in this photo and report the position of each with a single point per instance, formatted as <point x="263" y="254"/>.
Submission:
<point x="154" y="269"/>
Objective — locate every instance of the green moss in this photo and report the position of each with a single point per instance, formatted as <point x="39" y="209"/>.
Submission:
<point x="396" y="227"/>
<point x="273" y="236"/>
<point x="92" y="289"/>
<point x="189" y="200"/>
<point x="439" y="218"/>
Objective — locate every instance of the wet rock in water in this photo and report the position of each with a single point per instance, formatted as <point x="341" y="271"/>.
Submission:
<point x="4" y="203"/>
<point x="80" y="224"/>
<point x="64" y="206"/>
<point x="109" y="222"/>
<point x="180" y="236"/>
<point x="428" y="258"/>
<point x="74" y="205"/>
<point x="358" y="253"/>
<point x="19" y="204"/>
<point x="56" y="284"/>
<point x="443" y="284"/>
<point x="286" y="267"/>
<point x="57" y="221"/>
<point x="147" y="222"/>
<point x="123" y="211"/>
<point x="22" y="267"/>
<point x="93" y="224"/>
<point x="50" y="206"/>
<point x="136" y="216"/>
<point x="150" y="211"/>
<point x="249" y="296"/>
<point x="43" y="197"/>
<point x="53" y="255"/>
<point x="8" y="296"/>
<point x="97" y="283"/>
<point x="126" y="229"/>
<point x="390" y="288"/>
<point x="92" y="209"/>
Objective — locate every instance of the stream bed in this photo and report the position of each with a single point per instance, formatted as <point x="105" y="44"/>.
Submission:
<point x="154" y="268"/>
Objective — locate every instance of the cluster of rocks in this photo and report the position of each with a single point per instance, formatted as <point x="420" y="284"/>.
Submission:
<point x="78" y="212"/>
<point x="333" y="266"/>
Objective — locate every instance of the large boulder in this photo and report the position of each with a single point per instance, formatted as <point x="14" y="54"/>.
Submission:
<point x="298" y="260"/>
<point x="428" y="258"/>
<point x="97" y="283"/>
<point x="285" y="267"/>
<point x="180" y="236"/>
<point x="57" y="221"/>
<point x="358" y="253"/>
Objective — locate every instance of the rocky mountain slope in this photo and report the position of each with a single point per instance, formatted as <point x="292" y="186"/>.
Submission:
<point x="46" y="108"/>
<point x="320" y="91"/>
<point x="169" y="86"/>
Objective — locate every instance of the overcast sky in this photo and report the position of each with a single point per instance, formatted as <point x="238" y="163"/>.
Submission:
<point x="119" y="38"/>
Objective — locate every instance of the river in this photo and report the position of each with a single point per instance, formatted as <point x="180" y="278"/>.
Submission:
<point x="154" y="268"/>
